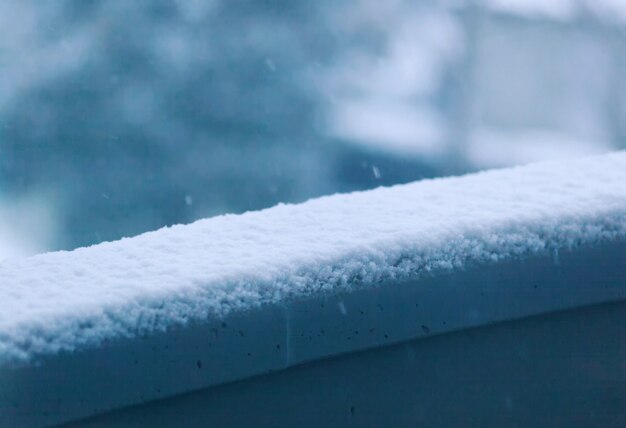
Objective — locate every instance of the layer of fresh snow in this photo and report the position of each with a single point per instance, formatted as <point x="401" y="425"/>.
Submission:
<point x="68" y="300"/>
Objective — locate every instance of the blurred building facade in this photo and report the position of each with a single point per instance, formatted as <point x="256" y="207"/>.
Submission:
<point x="125" y="116"/>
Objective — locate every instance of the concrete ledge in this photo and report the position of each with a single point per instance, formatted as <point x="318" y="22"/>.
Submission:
<point x="126" y="372"/>
<point x="195" y="306"/>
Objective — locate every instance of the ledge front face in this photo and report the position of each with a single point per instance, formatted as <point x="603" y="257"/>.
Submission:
<point x="222" y="299"/>
<point x="559" y="369"/>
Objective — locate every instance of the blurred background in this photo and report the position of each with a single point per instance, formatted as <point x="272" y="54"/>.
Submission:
<point x="119" y="117"/>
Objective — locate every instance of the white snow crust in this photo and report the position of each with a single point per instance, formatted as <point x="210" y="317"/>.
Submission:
<point x="65" y="301"/>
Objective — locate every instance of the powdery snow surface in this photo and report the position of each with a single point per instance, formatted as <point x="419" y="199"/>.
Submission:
<point x="69" y="300"/>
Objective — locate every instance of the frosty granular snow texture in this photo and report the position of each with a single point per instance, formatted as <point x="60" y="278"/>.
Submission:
<point x="69" y="300"/>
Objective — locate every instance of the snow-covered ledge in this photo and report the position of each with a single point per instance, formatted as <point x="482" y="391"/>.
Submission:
<point x="188" y="307"/>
